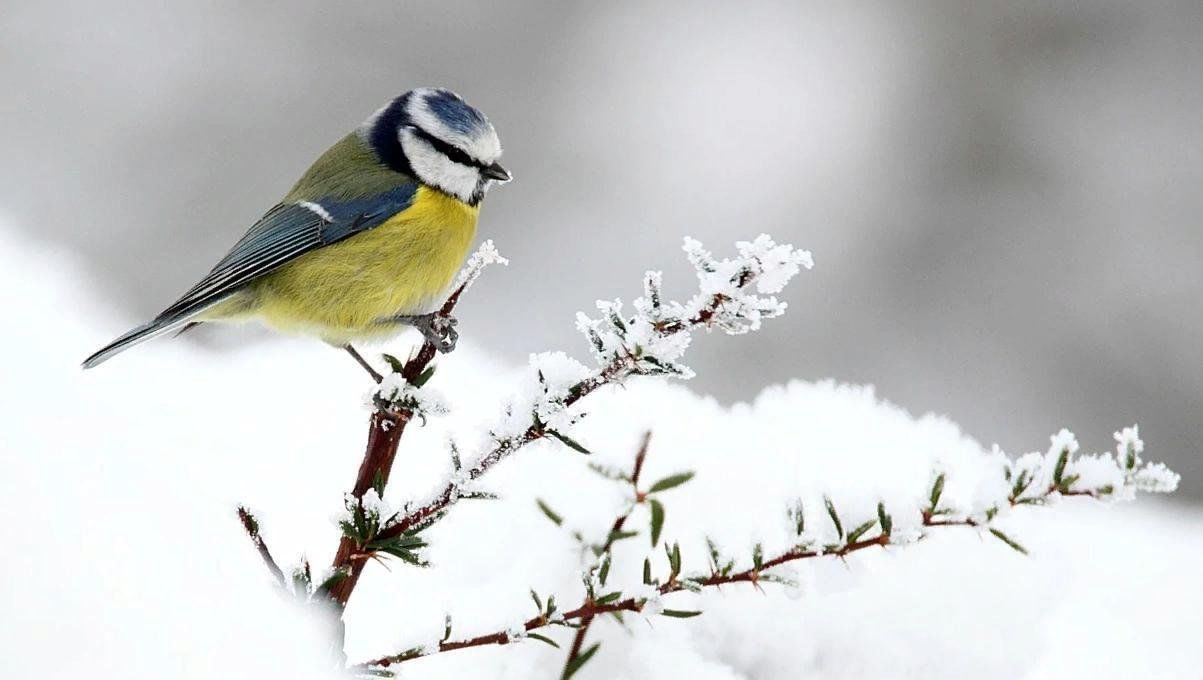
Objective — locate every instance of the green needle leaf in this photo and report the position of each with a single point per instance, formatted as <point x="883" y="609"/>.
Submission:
<point x="394" y="363"/>
<point x="574" y="665"/>
<point x="835" y="518"/>
<point x="671" y="481"/>
<point x="543" y="638"/>
<point x="937" y="489"/>
<point x="569" y="442"/>
<point x="680" y="614"/>
<point x="551" y="514"/>
<point x="860" y="530"/>
<point x="423" y="377"/>
<point x="657" y="520"/>
<point x="1008" y="540"/>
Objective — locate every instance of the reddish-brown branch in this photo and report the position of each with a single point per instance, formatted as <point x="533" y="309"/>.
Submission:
<point x="578" y="640"/>
<point x="448" y="495"/>
<point x="588" y="611"/>
<point x="384" y="436"/>
<point x="591" y="610"/>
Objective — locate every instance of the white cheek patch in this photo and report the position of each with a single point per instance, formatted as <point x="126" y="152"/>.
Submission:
<point x="484" y="146"/>
<point x="433" y="168"/>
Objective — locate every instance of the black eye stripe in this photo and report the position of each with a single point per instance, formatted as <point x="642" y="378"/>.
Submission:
<point x="446" y="149"/>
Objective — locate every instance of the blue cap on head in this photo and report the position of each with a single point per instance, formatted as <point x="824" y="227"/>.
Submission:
<point x="455" y="112"/>
<point x="433" y="135"/>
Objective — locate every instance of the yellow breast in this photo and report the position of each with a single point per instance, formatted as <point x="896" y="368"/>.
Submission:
<point x="404" y="266"/>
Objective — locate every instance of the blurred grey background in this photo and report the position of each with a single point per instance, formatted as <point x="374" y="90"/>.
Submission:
<point x="1004" y="199"/>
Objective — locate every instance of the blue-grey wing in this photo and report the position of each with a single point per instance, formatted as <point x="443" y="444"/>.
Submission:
<point x="286" y="232"/>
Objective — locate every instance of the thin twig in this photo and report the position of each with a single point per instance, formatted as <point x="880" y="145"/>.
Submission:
<point x="252" y="530"/>
<point x="617" y="370"/>
<point x="578" y="640"/>
<point x="590" y="610"/>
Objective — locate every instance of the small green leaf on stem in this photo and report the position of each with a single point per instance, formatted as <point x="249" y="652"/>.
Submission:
<point x="609" y="472"/>
<point x="621" y="535"/>
<point x="835" y="517"/>
<point x="1059" y="470"/>
<point x="394" y="363"/>
<point x="671" y="481"/>
<point x="543" y="638"/>
<point x="609" y="597"/>
<point x="680" y="613"/>
<point x="937" y="490"/>
<point x="657" y="520"/>
<point x="1008" y="540"/>
<point x="883" y="517"/>
<point x="574" y="664"/>
<point x="798" y="518"/>
<point x="424" y="377"/>
<point x="569" y="442"/>
<point x="861" y="530"/>
<point x="551" y="514"/>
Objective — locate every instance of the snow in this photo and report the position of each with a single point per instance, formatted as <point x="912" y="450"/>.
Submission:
<point x="485" y="255"/>
<point x="396" y="391"/>
<point x="123" y="556"/>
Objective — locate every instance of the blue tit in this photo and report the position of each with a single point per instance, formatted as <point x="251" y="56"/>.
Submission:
<point x="368" y="240"/>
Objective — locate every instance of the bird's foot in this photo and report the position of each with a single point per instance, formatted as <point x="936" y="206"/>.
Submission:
<point x="438" y="329"/>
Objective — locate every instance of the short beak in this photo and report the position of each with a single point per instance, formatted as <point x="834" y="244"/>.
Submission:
<point x="495" y="171"/>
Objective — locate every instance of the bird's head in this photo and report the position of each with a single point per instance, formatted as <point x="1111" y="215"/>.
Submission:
<point x="436" y="137"/>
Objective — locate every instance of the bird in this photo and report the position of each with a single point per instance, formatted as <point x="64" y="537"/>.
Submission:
<point x="365" y="243"/>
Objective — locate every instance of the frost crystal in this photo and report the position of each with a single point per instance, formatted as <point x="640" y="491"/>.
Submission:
<point x="515" y="633"/>
<point x="484" y="256"/>
<point x="905" y="535"/>
<point x="398" y="393"/>
<point x="734" y="295"/>
<point x="374" y="505"/>
<point x="650" y="595"/>
<point x="1128" y="447"/>
<point x="1156" y="478"/>
<point x="1063" y="441"/>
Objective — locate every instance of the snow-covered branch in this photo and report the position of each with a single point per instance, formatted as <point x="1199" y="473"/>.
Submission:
<point x="650" y="338"/>
<point x="1033" y="479"/>
<point x="734" y="295"/>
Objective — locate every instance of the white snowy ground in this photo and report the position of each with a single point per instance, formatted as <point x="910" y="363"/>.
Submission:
<point x="121" y="557"/>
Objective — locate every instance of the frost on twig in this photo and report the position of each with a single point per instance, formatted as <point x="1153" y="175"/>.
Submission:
<point x="1037" y="478"/>
<point x="1033" y="479"/>
<point x="734" y="295"/>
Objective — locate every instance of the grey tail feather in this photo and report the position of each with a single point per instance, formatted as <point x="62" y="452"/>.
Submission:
<point x="162" y="324"/>
<point x="133" y="337"/>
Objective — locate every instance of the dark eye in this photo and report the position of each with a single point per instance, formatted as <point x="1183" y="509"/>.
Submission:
<point x="446" y="149"/>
